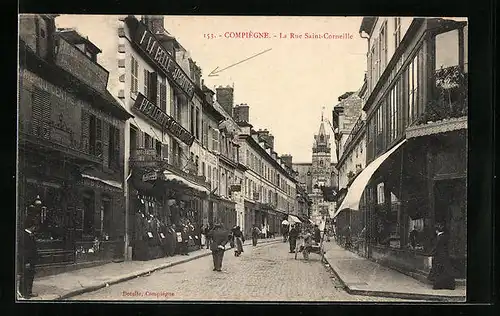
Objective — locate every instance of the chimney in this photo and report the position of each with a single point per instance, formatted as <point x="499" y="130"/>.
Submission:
<point x="154" y="23"/>
<point x="209" y="94"/>
<point x="225" y="98"/>
<point x="241" y="113"/>
<point x="287" y="160"/>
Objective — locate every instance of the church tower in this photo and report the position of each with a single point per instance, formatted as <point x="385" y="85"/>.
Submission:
<point x="321" y="157"/>
<point x="321" y="172"/>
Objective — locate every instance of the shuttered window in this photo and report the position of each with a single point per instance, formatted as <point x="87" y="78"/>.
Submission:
<point x="41" y="113"/>
<point x="134" y="75"/>
<point x="114" y="147"/>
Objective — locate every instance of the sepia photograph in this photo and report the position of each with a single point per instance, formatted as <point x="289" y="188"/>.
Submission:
<point x="176" y="158"/>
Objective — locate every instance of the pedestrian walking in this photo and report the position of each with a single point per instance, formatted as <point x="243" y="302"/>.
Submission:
<point x="219" y="238"/>
<point x="29" y="256"/>
<point x="184" y="242"/>
<point x="255" y="235"/>
<point x="292" y="238"/>
<point x="239" y="239"/>
<point x="308" y="242"/>
<point x="285" y="227"/>
<point x="441" y="273"/>
<point x="317" y="234"/>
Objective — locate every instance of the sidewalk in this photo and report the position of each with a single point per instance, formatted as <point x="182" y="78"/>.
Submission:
<point x="69" y="284"/>
<point x="361" y="276"/>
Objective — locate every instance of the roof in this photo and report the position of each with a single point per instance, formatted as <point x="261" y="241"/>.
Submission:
<point x="74" y="37"/>
<point x="367" y="24"/>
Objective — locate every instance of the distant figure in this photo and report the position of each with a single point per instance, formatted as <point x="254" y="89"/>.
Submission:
<point x="238" y="241"/>
<point x="285" y="227"/>
<point x="255" y="235"/>
<point x="29" y="256"/>
<point x="441" y="273"/>
<point x="308" y="242"/>
<point x="219" y="238"/>
<point x="292" y="237"/>
<point x="413" y="238"/>
<point x="184" y="242"/>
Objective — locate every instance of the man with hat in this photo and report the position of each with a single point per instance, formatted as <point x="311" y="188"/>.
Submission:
<point x="28" y="255"/>
<point x="219" y="237"/>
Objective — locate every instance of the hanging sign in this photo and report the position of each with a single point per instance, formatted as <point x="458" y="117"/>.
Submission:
<point x="152" y="176"/>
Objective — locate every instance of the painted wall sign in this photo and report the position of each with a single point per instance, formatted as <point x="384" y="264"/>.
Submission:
<point x="162" y="119"/>
<point x="162" y="59"/>
<point x="78" y="64"/>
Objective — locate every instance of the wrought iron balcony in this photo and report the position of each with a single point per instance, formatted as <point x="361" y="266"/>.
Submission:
<point x="149" y="158"/>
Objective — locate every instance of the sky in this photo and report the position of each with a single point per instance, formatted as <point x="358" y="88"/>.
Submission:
<point x="288" y="86"/>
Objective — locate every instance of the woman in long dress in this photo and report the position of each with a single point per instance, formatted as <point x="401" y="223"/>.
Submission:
<point x="238" y="241"/>
<point x="442" y="271"/>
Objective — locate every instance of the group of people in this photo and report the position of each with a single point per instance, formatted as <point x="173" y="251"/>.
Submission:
<point x="217" y="238"/>
<point x="310" y="236"/>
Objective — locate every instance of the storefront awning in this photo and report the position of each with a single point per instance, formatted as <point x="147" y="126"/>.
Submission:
<point x="112" y="183"/>
<point x="355" y="191"/>
<point x="293" y="219"/>
<point x="169" y="176"/>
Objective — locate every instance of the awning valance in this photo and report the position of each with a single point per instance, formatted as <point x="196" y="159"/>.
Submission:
<point x="293" y="219"/>
<point x="169" y="176"/>
<point x="355" y="191"/>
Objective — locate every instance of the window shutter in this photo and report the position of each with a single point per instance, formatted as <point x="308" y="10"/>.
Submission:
<point x="153" y="87"/>
<point x="164" y="151"/>
<point x="98" y="138"/>
<point x="146" y="83"/>
<point x="116" y="153"/>
<point x="41" y="113"/>
<point x="85" y="119"/>
<point x="106" y="142"/>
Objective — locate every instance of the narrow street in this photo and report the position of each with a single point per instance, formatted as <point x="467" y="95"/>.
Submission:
<point x="267" y="273"/>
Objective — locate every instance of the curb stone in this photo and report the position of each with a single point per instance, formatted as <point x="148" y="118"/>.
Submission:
<point x="411" y="296"/>
<point x="133" y="275"/>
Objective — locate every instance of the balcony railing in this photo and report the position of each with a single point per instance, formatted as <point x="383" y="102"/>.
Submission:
<point x="148" y="158"/>
<point x="451" y="96"/>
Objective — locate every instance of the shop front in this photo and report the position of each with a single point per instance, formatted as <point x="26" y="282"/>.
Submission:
<point x="419" y="185"/>
<point x="167" y="208"/>
<point x="79" y="209"/>
<point x="250" y="218"/>
<point x="225" y="212"/>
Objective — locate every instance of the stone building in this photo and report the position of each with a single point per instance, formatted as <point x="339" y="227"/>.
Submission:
<point x="71" y="147"/>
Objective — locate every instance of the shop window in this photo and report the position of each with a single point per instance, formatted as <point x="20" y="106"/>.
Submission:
<point x="107" y="218"/>
<point x="88" y="214"/>
<point x="416" y="233"/>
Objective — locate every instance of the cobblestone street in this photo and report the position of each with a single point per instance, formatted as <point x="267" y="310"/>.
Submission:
<point x="266" y="273"/>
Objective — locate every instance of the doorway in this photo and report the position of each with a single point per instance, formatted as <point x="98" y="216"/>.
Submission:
<point x="450" y="208"/>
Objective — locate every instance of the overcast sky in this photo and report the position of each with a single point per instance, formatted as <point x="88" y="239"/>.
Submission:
<point x="286" y="87"/>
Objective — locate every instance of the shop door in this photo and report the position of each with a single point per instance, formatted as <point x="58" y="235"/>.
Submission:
<point x="450" y="208"/>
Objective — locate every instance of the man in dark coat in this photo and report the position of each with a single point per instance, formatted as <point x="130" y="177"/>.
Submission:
<point x="317" y="234"/>
<point x="219" y="238"/>
<point x="29" y="256"/>
<point x="292" y="238"/>
<point x="441" y="273"/>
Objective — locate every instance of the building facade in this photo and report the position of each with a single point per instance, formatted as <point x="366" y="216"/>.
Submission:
<point x="71" y="146"/>
<point x="416" y="131"/>
<point x="269" y="186"/>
